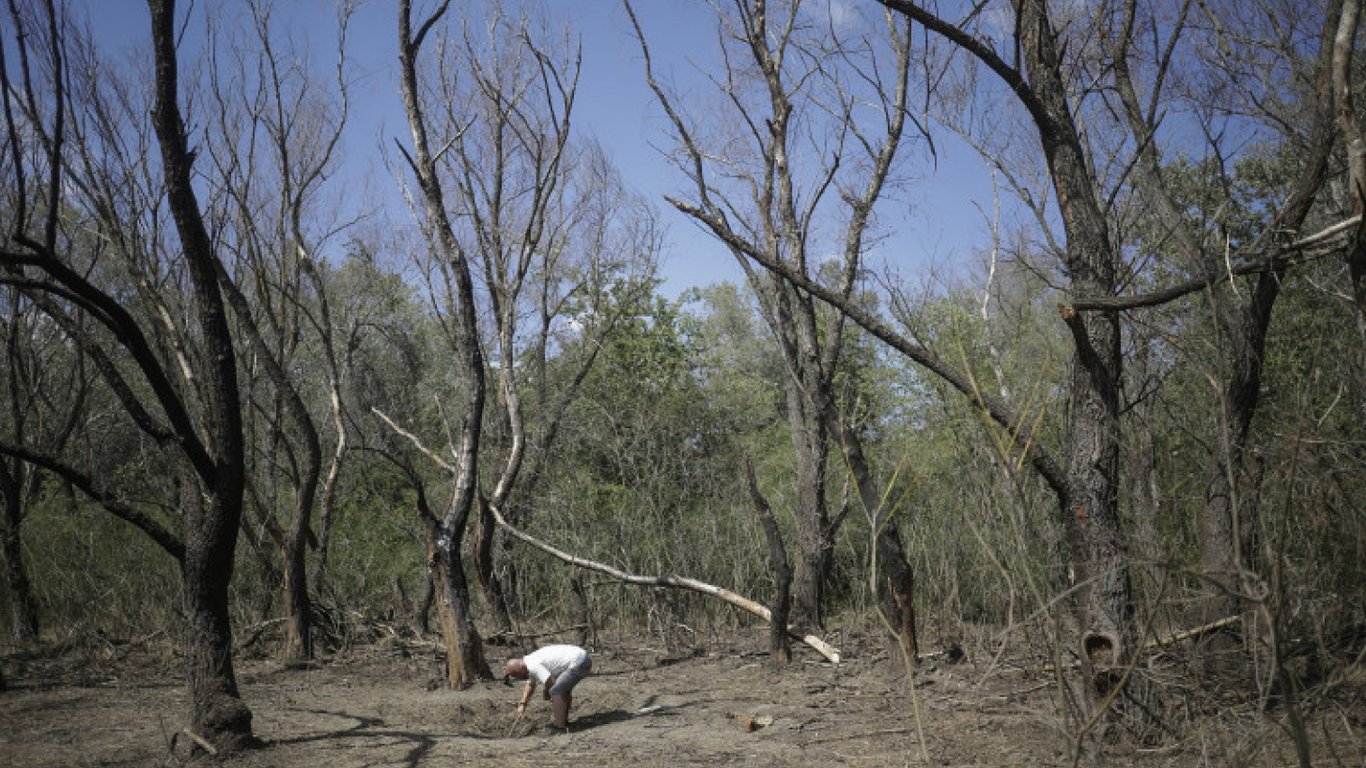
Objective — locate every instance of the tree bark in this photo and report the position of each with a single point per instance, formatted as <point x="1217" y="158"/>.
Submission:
<point x="18" y="591"/>
<point x="779" y="650"/>
<point x="890" y="567"/>
<point x="1224" y="525"/>
<point x="489" y="583"/>
<point x="814" y="543"/>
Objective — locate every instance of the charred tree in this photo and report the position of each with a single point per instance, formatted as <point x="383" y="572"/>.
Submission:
<point x="779" y="649"/>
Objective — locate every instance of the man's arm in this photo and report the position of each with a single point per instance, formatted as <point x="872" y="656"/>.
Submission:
<point x="549" y="683"/>
<point x="526" y="694"/>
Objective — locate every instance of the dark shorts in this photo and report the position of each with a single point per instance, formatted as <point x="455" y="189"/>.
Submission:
<point x="571" y="677"/>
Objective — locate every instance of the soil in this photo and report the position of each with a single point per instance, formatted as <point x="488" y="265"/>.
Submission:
<point x="714" y="703"/>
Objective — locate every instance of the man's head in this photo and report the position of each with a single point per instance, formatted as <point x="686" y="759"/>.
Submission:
<point x="516" y="668"/>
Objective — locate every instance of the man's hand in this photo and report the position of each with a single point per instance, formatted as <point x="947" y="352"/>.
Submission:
<point x="521" y="708"/>
<point x="545" y="689"/>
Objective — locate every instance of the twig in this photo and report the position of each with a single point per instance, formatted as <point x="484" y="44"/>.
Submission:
<point x="521" y="636"/>
<point x="257" y="630"/>
<point x="201" y="741"/>
<point x="520" y="714"/>
<point x="867" y="734"/>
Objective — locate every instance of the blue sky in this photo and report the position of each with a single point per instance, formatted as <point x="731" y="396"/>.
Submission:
<point x="938" y="224"/>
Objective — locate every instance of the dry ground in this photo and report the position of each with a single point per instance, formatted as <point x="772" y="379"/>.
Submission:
<point x="381" y="706"/>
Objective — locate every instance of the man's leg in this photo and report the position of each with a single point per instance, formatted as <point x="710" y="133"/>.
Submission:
<point x="560" y="702"/>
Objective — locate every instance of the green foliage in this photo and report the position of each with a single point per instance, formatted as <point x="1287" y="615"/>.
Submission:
<point x="92" y="571"/>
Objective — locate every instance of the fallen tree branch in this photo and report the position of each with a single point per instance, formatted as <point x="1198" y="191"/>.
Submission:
<point x="1187" y="634"/>
<point x="677" y="582"/>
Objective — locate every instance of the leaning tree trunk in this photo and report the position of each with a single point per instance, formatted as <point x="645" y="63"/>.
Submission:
<point x="779" y="649"/>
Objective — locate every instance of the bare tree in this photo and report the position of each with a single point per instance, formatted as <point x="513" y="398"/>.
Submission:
<point x="465" y="656"/>
<point x="190" y="409"/>
<point x="46" y="388"/>
<point x="1225" y="525"/>
<point x="546" y="229"/>
<point x="274" y="142"/>
<point x="803" y="162"/>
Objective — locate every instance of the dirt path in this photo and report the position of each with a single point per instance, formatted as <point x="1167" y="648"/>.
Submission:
<point x="641" y="706"/>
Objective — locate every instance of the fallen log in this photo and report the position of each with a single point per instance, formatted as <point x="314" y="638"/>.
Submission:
<point x="677" y="582"/>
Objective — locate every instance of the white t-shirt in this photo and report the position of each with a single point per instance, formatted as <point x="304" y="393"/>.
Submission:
<point x="553" y="661"/>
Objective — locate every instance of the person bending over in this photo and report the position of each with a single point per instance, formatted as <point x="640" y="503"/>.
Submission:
<point x="556" y="667"/>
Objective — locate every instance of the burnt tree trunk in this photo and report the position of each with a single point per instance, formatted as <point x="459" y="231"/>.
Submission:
<point x="449" y="589"/>
<point x="779" y="649"/>
<point x="211" y="491"/>
<point x="484" y="544"/>
<point x="18" y="591"/>
<point x="298" y="604"/>
<point x="465" y="661"/>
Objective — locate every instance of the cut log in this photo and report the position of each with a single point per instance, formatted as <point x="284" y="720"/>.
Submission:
<point x="677" y="582"/>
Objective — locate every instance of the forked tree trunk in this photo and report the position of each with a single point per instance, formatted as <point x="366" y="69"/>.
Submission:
<point x="464" y="650"/>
